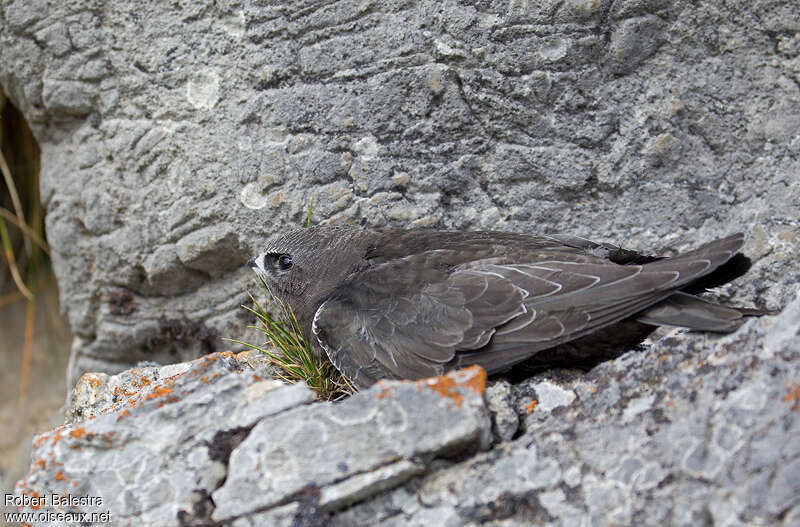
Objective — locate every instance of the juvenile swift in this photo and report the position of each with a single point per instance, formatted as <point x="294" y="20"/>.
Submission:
<point x="406" y="304"/>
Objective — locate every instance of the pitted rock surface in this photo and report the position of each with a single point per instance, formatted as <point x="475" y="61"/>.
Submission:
<point x="694" y="430"/>
<point x="214" y="441"/>
<point x="176" y="140"/>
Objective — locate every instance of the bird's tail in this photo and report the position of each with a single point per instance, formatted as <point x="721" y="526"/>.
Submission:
<point x="689" y="311"/>
<point x="686" y="310"/>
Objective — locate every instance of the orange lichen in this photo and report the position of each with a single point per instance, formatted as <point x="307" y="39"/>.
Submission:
<point x="42" y="463"/>
<point x="35" y="501"/>
<point x="530" y="406"/>
<point x="78" y="433"/>
<point x="162" y="391"/>
<point x="793" y="394"/>
<point x="56" y="439"/>
<point x="141" y="382"/>
<point x="473" y="378"/>
<point x="242" y="356"/>
<point x="131" y="397"/>
<point x="59" y="476"/>
<point x="386" y="390"/>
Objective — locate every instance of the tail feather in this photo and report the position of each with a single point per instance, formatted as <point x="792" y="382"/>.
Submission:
<point x="691" y="312"/>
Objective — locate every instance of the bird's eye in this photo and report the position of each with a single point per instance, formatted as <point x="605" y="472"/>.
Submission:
<point x="285" y="262"/>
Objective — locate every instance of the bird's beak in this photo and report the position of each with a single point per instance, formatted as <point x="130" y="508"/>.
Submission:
<point x="252" y="263"/>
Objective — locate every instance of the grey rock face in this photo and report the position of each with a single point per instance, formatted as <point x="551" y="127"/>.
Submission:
<point x="157" y="450"/>
<point x="175" y="141"/>
<point x="379" y="439"/>
<point x="693" y="429"/>
<point x="157" y="445"/>
<point x="500" y="401"/>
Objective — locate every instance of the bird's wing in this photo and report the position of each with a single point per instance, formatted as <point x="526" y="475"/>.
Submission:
<point x="414" y="316"/>
<point x="570" y="299"/>
<point x="407" y="317"/>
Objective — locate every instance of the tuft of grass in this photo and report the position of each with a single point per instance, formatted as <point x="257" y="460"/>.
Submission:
<point x="291" y="353"/>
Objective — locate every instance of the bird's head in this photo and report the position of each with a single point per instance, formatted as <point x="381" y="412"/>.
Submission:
<point x="303" y="267"/>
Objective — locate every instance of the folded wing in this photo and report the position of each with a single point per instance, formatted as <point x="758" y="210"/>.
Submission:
<point x="418" y="316"/>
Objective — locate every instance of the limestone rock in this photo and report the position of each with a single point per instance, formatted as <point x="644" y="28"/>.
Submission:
<point x="175" y="141"/>
<point x="213" y="440"/>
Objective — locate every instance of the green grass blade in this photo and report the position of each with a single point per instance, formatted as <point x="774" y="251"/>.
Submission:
<point x="291" y="353"/>
<point x="308" y="218"/>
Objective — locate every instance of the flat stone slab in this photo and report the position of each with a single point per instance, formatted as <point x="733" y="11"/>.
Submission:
<point x="359" y="447"/>
<point x="153" y="446"/>
<point x="151" y="456"/>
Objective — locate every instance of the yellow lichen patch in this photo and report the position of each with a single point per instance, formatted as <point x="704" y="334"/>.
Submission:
<point x="531" y="405"/>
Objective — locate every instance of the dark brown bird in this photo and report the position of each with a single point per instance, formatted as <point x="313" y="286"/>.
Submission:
<point x="408" y="304"/>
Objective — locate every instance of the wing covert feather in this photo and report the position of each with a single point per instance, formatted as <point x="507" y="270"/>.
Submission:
<point x="406" y="322"/>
